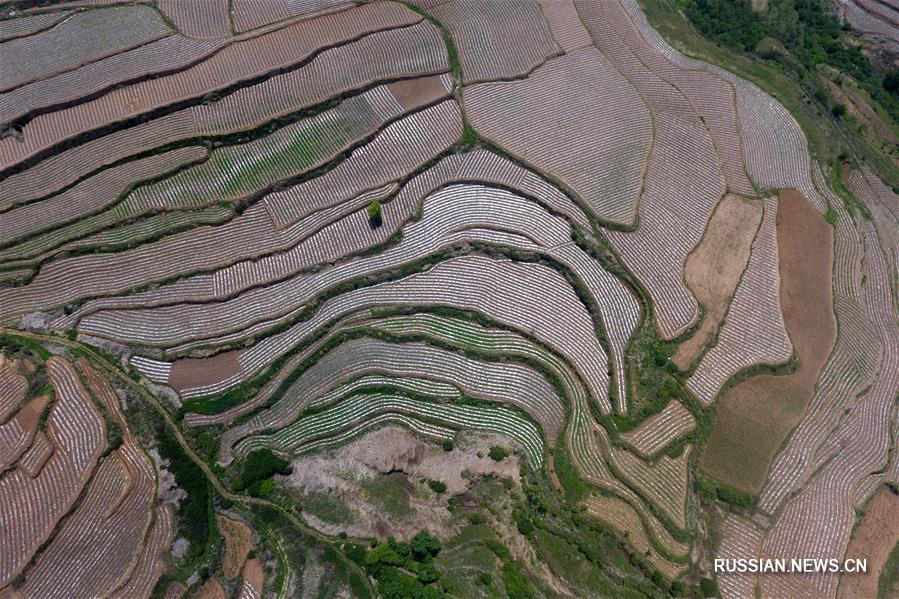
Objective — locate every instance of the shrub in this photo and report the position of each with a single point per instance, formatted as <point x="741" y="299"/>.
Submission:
<point x="447" y="445"/>
<point x="438" y="486"/>
<point x="374" y="213"/>
<point x="498" y="453"/>
<point x="708" y="587"/>
<point x="517" y="586"/>
<point x="831" y="216"/>
<point x="425" y="545"/>
<point x="838" y="110"/>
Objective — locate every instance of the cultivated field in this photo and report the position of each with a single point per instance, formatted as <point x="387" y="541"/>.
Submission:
<point x="440" y="298"/>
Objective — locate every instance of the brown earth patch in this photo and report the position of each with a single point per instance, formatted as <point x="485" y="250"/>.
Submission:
<point x="211" y="589"/>
<point x="345" y="474"/>
<point x="198" y="372"/>
<point x="755" y="416"/>
<point x="253" y="575"/>
<point x="412" y="93"/>
<point x="873" y="540"/>
<point x="712" y="270"/>
<point x="238" y="543"/>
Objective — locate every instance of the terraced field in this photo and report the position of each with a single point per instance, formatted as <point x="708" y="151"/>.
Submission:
<point x="612" y="318"/>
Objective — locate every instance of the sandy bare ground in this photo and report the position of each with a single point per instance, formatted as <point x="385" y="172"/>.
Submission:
<point x="757" y="414"/>
<point x="253" y="575"/>
<point x="412" y="93"/>
<point x="345" y="471"/>
<point x="238" y="543"/>
<point x="194" y="372"/>
<point x="873" y="540"/>
<point x="713" y="269"/>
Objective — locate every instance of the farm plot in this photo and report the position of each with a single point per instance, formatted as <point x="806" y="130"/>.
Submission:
<point x="16" y="435"/>
<point x="453" y="209"/>
<point x="565" y="25"/>
<point x="659" y="430"/>
<point x="150" y="564"/>
<point x="624" y="519"/>
<point x="711" y="97"/>
<point x="247" y="107"/>
<point x="250" y="14"/>
<point x="713" y="269"/>
<point x="99" y="544"/>
<point x="327" y="426"/>
<point x="79" y="202"/>
<point x="13" y="387"/>
<point x="481" y="29"/>
<point x="237" y="171"/>
<point x="663" y="482"/>
<point x="212" y="21"/>
<point x="681" y="186"/>
<point x="753" y="332"/>
<point x="29" y="24"/>
<point x="37" y="503"/>
<point x="858" y="445"/>
<point x="873" y="539"/>
<point x="164" y="55"/>
<point x="234" y="66"/>
<point x="476" y="283"/>
<point x="253" y="580"/>
<point x="755" y="416"/>
<point x="540" y="119"/>
<point x="506" y="383"/>
<point x="397" y="150"/>
<point x="82" y="38"/>
<point x="740" y="539"/>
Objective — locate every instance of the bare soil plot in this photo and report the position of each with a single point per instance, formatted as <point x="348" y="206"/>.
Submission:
<point x="199" y="372"/>
<point x="755" y="416"/>
<point x="238" y="543"/>
<point x="873" y="540"/>
<point x="211" y="589"/>
<point x="253" y="579"/>
<point x="712" y="271"/>
<point x="753" y="332"/>
<point x="412" y="93"/>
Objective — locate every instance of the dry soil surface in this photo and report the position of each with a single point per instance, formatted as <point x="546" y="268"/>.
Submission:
<point x="874" y="538"/>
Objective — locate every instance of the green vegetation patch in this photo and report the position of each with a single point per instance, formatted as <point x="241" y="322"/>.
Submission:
<point x="259" y="468"/>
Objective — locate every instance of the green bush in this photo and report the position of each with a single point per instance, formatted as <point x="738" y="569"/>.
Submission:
<point x="424" y="545"/>
<point x="517" y="586"/>
<point x="448" y="445"/>
<point x="708" y="587"/>
<point x="374" y="213"/>
<point x="438" y="486"/>
<point x="498" y="453"/>
<point x="260" y="466"/>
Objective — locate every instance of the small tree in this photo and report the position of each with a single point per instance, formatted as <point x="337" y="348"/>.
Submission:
<point x="498" y="453"/>
<point x="838" y="110"/>
<point x="374" y="214"/>
<point x="448" y="445"/>
<point x="425" y="545"/>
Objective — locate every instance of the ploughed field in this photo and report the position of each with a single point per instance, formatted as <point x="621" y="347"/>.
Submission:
<point x="294" y="223"/>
